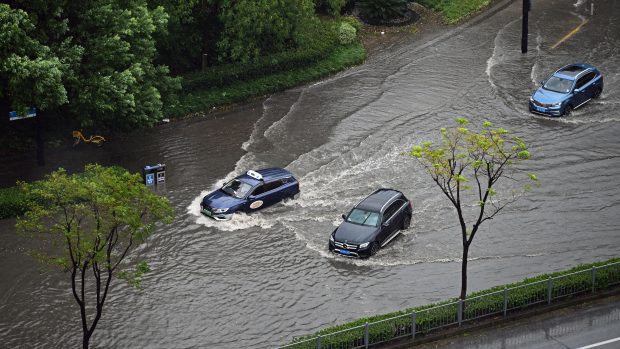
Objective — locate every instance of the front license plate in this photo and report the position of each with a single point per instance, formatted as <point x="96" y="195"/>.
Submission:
<point x="208" y="213"/>
<point x="345" y="252"/>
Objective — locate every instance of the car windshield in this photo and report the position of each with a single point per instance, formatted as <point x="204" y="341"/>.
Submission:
<point x="556" y="84"/>
<point x="362" y="217"/>
<point x="237" y="188"/>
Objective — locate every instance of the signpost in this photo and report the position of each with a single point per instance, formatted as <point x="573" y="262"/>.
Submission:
<point x="31" y="113"/>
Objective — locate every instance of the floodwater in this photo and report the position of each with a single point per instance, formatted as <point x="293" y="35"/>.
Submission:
<point x="259" y="280"/>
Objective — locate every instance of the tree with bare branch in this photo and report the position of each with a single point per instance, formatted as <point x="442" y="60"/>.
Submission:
<point x="87" y="224"/>
<point x="467" y="166"/>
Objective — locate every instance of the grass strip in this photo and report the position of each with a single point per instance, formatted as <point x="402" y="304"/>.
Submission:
<point x="520" y="295"/>
<point x="200" y="101"/>
<point x="454" y="11"/>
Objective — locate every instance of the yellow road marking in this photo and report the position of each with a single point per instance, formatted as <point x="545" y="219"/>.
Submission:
<point x="571" y="33"/>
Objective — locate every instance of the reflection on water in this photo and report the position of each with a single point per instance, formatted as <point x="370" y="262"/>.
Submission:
<point x="259" y="279"/>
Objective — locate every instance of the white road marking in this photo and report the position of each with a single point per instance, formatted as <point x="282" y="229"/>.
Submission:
<point x="600" y="343"/>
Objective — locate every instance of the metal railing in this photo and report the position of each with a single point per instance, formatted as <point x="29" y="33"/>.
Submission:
<point x="455" y="313"/>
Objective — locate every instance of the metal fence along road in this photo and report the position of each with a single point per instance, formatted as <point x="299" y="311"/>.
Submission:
<point x="455" y="313"/>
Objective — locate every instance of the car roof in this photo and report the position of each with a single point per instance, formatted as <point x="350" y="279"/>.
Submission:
<point x="378" y="200"/>
<point x="268" y="174"/>
<point x="573" y="71"/>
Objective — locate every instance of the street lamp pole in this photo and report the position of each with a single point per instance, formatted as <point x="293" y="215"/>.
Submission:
<point x="526" y="10"/>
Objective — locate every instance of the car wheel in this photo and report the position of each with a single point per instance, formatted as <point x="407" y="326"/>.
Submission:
<point x="406" y="222"/>
<point x="374" y="248"/>
<point x="568" y="110"/>
<point x="597" y="93"/>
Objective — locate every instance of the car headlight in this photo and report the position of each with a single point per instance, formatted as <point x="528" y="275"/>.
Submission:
<point x="556" y="105"/>
<point x="331" y="238"/>
<point x="220" y="210"/>
<point x="531" y="99"/>
<point x="364" y="245"/>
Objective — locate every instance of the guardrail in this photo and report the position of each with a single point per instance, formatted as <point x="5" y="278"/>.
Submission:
<point x="455" y="313"/>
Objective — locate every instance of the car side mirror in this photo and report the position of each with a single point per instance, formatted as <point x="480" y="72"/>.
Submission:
<point x="344" y="216"/>
<point x="385" y="224"/>
<point x="542" y="82"/>
<point x="577" y="90"/>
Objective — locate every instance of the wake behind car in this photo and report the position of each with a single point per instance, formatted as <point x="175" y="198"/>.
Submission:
<point x="371" y="224"/>
<point x="249" y="192"/>
<point x="568" y="88"/>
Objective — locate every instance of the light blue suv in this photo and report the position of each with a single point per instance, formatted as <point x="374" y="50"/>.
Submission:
<point x="568" y="88"/>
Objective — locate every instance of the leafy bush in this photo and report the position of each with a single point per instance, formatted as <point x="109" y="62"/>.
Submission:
<point x="346" y="33"/>
<point x="353" y="21"/>
<point x="254" y="28"/>
<point x="482" y="303"/>
<point x="453" y="11"/>
<point x="12" y="202"/>
<point x="330" y="7"/>
<point x="382" y="10"/>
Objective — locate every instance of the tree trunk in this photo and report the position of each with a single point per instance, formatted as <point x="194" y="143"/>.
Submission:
<point x="464" y="271"/>
<point x="86" y="340"/>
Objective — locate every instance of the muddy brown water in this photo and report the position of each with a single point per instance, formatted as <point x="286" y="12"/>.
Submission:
<point x="258" y="280"/>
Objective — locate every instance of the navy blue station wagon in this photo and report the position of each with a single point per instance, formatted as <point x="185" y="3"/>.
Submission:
<point x="568" y="88"/>
<point x="249" y="192"/>
<point x="371" y="224"/>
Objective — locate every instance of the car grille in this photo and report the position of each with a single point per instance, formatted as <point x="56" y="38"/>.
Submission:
<point x="544" y="105"/>
<point x="345" y="246"/>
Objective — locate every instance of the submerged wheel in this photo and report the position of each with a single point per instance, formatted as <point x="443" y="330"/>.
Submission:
<point x="406" y="222"/>
<point x="568" y="110"/>
<point x="374" y="248"/>
<point x="597" y="93"/>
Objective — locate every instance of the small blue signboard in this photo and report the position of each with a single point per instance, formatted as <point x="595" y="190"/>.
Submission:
<point x="31" y="113"/>
<point x="150" y="179"/>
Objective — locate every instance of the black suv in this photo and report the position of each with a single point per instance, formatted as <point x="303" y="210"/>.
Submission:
<point x="371" y="224"/>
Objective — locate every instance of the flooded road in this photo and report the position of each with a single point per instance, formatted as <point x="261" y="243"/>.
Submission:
<point x="258" y="280"/>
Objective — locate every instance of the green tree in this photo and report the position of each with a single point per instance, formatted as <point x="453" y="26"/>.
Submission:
<point x="87" y="224"/>
<point x="330" y="7"/>
<point x="30" y="72"/>
<point x="467" y="166"/>
<point x="117" y="83"/>
<point x="382" y="10"/>
<point x="254" y="28"/>
<point x="95" y="58"/>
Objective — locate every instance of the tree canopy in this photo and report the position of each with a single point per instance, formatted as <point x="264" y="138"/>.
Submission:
<point x="87" y="224"/>
<point x="467" y="166"/>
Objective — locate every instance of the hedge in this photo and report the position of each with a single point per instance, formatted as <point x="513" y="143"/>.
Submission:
<point x="522" y="294"/>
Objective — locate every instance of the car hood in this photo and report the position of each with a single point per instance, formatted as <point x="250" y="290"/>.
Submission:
<point x="219" y="199"/>
<point x="354" y="233"/>
<point x="548" y="97"/>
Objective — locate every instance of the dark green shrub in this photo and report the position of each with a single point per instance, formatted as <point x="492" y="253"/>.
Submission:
<point x="346" y="33"/>
<point x="329" y="7"/>
<point x="12" y="202"/>
<point x="353" y="21"/>
<point x="381" y="11"/>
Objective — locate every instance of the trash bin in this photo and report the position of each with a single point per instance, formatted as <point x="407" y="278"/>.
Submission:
<point x="154" y="175"/>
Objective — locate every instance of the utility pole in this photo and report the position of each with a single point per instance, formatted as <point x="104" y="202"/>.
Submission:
<point x="526" y="10"/>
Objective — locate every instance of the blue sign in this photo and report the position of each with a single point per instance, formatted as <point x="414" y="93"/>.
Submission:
<point x="31" y="113"/>
<point x="150" y="179"/>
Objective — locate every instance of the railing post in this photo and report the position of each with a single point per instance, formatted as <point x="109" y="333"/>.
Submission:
<point x="505" y="301"/>
<point x="460" y="312"/>
<point x="366" y="336"/>
<point x="413" y="329"/>
<point x="318" y="342"/>
<point x="549" y="290"/>
<point x="593" y="279"/>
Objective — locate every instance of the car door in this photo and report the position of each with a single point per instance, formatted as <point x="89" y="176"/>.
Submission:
<point x="391" y="221"/>
<point x="581" y="92"/>
<point x="264" y="195"/>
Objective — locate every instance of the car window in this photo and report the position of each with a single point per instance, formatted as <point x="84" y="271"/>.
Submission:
<point x="236" y="188"/>
<point x="363" y="217"/>
<point x="259" y="190"/>
<point x="392" y="209"/>
<point x="584" y="80"/>
<point x="557" y="84"/>
<point x="272" y="185"/>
